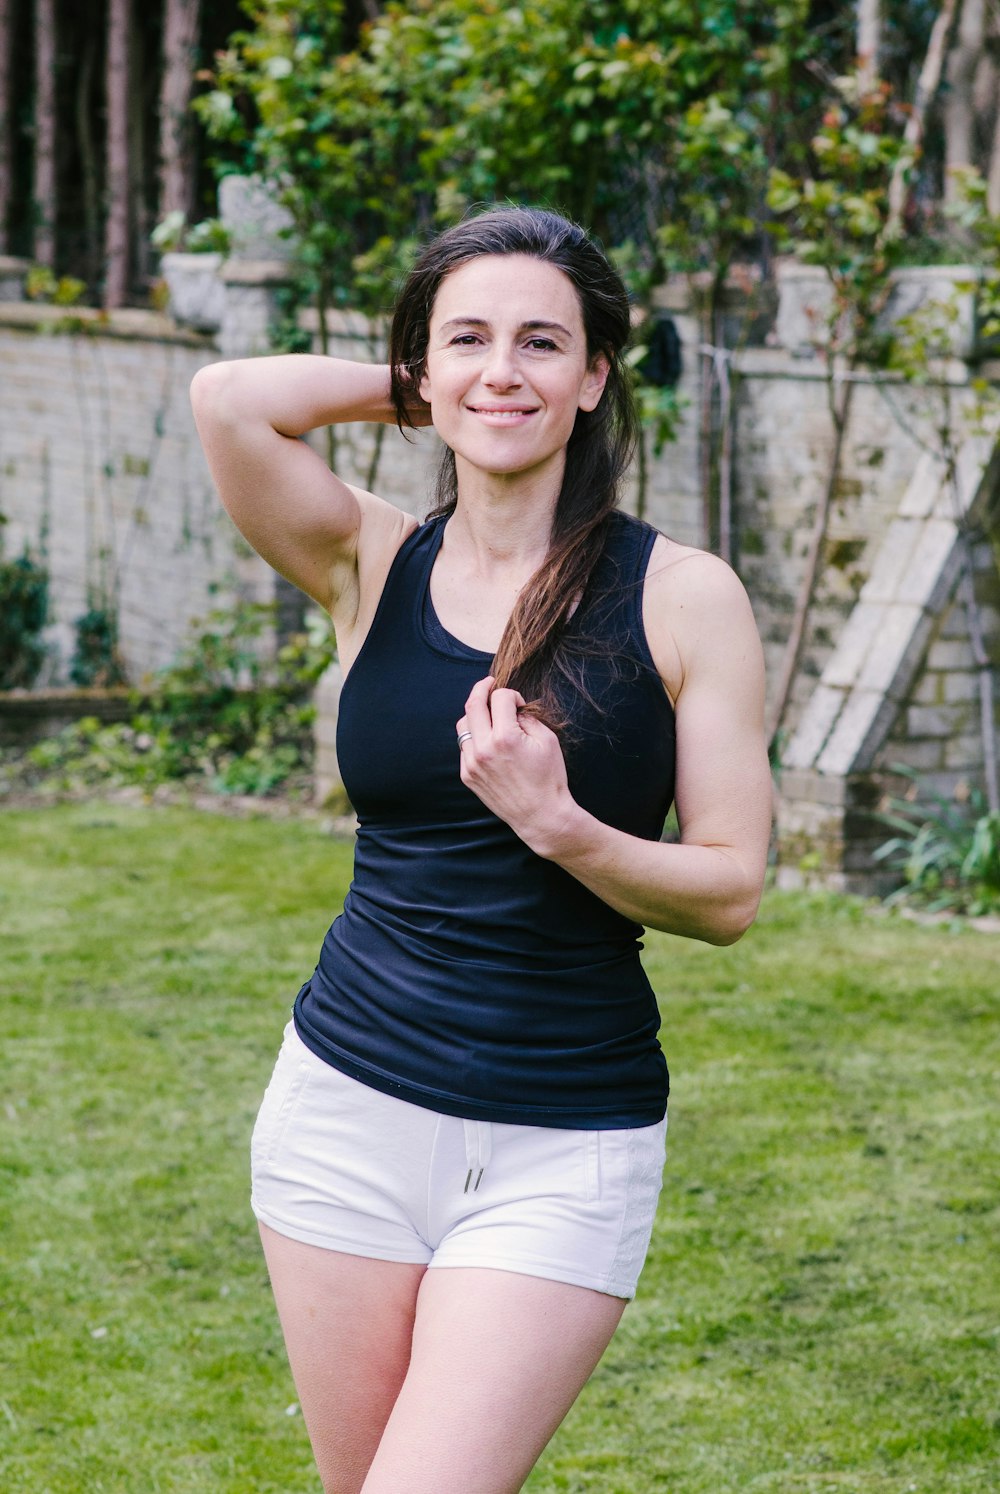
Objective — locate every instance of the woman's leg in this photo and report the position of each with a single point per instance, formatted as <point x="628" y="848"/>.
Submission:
<point x="497" y="1360"/>
<point x="348" y="1326"/>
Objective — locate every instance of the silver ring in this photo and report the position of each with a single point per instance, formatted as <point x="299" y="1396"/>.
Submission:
<point x="463" y="736"/>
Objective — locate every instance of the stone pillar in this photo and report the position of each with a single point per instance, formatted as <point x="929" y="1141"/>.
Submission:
<point x="257" y="266"/>
<point x="259" y="228"/>
<point x="250" y="306"/>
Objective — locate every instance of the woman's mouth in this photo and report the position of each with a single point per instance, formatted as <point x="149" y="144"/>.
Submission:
<point x="502" y="412"/>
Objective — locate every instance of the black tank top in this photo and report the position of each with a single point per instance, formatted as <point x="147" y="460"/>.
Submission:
<point x="467" y="974"/>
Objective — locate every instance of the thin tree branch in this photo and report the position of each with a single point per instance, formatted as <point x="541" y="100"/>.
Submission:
<point x="927" y="87"/>
<point x="44" y="184"/>
<point x="116" y="223"/>
<point x="6" y="144"/>
<point x="869" y="43"/>
<point x="180" y="38"/>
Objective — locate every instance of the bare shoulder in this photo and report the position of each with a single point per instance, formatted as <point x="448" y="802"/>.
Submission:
<point x="680" y="576"/>
<point x="696" y="612"/>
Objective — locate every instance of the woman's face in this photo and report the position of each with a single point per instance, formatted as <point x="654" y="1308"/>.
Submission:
<point x="507" y="368"/>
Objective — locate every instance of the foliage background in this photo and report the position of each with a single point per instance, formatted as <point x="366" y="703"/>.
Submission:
<point x="590" y="104"/>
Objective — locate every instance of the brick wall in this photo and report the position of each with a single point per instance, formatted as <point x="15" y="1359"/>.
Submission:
<point x="938" y="732"/>
<point x="99" y="460"/>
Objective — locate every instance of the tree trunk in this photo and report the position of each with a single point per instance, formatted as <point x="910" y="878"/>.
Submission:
<point x="139" y="224"/>
<point x="984" y="90"/>
<point x="993" y="171"/>
<point x="927" y="87"/>
<point x="88" y="159"/>
<point x="869" y="43"/>
<point x="116" y="155"/>
<point x="985" y="98"/>
<point x="988" y="112"/>
<point x="44" y="174"/>
<point x="6" y="152"/>
<point x="180" y="38"/>
<point x="959" y="104"/>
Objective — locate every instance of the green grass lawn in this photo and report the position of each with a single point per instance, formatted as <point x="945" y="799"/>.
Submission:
<point x="821" y="1307"/>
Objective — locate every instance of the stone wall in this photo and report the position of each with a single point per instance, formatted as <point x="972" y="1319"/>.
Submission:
<point x="100" y="466"/>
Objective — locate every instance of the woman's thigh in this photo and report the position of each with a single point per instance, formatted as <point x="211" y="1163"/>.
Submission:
<point x="348" y="1327"/>
<point x="497" y="1360"/>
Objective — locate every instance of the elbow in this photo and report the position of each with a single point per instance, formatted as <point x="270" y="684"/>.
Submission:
<point x="732" y="921"/>
<point x="207" y="388"/>
<point x="730" y="933"/>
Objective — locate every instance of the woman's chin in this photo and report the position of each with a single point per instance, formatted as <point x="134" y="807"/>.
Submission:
<point x="507" y="465"/>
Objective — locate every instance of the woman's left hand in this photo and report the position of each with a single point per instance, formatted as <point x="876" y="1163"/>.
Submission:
<point x="514" y="764"/>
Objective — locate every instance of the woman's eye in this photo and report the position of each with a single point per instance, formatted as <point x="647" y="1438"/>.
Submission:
<point x="541" y="344"/>
<point x="464" y="340"/>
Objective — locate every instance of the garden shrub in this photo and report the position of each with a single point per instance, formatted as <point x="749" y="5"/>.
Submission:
<point x="947" y="853"/>
<point x="24" y="605"/>
<point x="96" y="660"/>
<point x="231" y="715"/>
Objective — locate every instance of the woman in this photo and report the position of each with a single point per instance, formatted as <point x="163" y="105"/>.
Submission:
<point x="457" y="1161"/>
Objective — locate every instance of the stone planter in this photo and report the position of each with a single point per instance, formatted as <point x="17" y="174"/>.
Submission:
<point x="197" y="293"/>
<point x="13" y="276"/>
<point x="805" y="296"/>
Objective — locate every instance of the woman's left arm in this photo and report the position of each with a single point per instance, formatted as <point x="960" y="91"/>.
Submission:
<point x="708" y="886"/>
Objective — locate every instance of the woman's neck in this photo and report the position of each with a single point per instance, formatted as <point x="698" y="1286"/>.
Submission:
<point x="503" y="522"/>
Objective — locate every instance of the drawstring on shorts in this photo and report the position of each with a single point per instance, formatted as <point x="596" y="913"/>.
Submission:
<point x="478" y="1150"/>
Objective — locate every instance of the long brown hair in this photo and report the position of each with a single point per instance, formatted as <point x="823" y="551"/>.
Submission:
<point x="534" y="655"/>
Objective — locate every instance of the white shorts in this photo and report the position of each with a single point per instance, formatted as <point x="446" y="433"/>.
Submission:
<point x="337" y="1164"/>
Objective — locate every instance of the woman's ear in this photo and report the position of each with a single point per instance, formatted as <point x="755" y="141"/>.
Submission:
<point x="424" y="387"/>
<point x="593" y="383"/>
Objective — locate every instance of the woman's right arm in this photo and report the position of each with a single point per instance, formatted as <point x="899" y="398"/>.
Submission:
<point x="294" y="511"/>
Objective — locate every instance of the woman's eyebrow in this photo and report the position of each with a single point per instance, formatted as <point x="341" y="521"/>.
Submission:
<point x="481" y="321"/>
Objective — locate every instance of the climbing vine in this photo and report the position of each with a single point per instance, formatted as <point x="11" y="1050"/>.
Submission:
<point x="24" y="605"/>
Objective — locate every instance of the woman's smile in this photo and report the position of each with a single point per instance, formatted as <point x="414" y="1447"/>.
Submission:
<point x="503" y="414"/>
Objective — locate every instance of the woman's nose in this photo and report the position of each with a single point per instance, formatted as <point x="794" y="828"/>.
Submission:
<point x="501" y="370"/>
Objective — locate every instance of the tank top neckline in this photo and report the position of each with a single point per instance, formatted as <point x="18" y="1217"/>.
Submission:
<point x="432" y="629"/>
